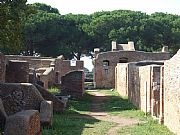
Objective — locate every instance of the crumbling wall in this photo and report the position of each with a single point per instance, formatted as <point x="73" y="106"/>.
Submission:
<point x="34" y="62"/>
<point x="2" y="67"/>
<point x="73" y="84"/>
<point x="62" y="67"/>
<point x="172" y="93"/>
<point x="17" y="72"/>
<point x="47" y="76"/>
<point x="104" y="77"/>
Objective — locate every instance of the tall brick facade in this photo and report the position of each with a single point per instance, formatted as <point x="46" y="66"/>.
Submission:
<point x="172" y="93"/>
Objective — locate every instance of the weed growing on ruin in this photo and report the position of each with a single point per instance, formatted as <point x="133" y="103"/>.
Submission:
<point x="54" y="90"/>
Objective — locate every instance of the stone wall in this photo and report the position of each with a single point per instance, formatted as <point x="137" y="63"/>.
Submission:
<point x="46" y="76"/>
<point x="62" y="67"/>
<point x="105" y="63"/>
<point x="17" y="72"/>
<point x="172" y="93"/>
<point x="121" y="79"/>
<point x="140" y="82"/>
<point x="34" y="62"/>
<point x="73" y="84"/>
<point x="2" y="67"/>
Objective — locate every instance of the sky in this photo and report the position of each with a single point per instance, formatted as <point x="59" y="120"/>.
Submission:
<point x="91" y="6"/>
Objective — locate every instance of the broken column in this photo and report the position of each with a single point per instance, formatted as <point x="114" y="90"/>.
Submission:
<point x="23" y="123"/>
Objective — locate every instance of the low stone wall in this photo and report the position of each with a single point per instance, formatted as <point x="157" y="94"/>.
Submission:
<point x="172" y="93"/>
<point x="34" y="62"/>
<point x="2" y="68"/>
<point x="17" y="72"/>
<point x="73" y="84"/>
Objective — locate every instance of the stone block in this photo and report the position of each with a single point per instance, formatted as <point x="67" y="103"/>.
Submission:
<point x="46" y="113"/>
<point x="23" y="123"/>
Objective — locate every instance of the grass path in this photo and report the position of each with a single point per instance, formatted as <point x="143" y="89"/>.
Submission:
<point x="103" y="112"/>
<point x="97" y="112"/>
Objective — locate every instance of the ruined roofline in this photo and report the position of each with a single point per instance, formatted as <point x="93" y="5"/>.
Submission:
<point x="119" y="51"/>
<point x="150" y="62"/>
<point x="20" y="56"/>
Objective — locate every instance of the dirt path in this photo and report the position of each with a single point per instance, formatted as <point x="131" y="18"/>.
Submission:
<point x="97" y="113"/>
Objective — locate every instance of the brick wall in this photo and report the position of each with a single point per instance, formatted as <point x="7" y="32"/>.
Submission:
<point x="34" y="62"/>
<point x="17" y="72"/>
<point x="106" y="79"/>
<point x="63" y="66"/>
<point x="2" y="68"/>
<point x="73" y="84"/>
<point x="172" y="93"/>
<point x="140" y="82"/>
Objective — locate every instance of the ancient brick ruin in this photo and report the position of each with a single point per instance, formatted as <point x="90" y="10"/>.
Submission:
<point x="105" y="62"/>
<point x="73" y="84"/>
<point x="25" y="107"/>
<point x="172" y="93"/>
<point x="45" y="71"/>
<point x="153" y="87"/>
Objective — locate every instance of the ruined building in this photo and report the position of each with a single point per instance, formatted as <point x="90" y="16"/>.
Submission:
<point x="153" y="87"/>
<point x="105" y="62"/>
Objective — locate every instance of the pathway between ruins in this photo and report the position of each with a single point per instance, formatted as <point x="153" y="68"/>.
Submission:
<point x="97" y="112"/>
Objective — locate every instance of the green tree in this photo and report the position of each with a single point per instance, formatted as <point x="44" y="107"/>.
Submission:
<point x="12" y="15"/>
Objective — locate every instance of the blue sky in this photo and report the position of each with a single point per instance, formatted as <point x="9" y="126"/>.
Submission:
<point x="90" y="6"/>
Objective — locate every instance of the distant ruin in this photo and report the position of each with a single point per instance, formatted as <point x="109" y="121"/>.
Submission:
<point x="105" y="62"/>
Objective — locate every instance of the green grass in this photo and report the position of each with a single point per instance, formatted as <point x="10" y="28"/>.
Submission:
<point x="121" y="106"/>
<point x="149" y="128"/>
<point x="76" y="121"/>
<point x="74" y="125"/>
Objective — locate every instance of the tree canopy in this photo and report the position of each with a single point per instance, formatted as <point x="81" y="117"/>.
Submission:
<point x="49" y="33"/>
<point x="12" y="15"/>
